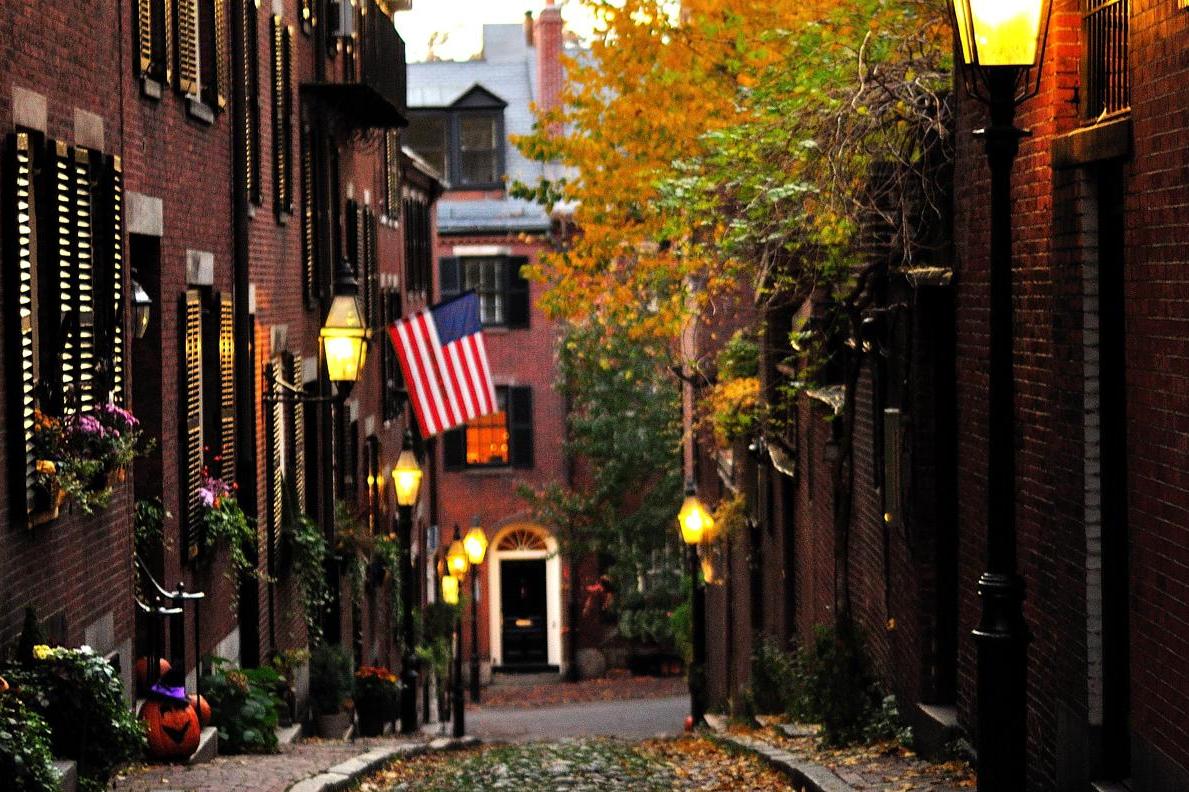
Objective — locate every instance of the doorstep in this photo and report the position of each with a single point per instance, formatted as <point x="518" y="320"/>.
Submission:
<point x="208" y="747"/>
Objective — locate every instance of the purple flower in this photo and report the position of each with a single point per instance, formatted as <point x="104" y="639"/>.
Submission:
<point x="207" y="497"/>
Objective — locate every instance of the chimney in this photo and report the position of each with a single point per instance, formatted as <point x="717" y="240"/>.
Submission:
<point x="548" y="40"/>
<point x="528" y="28"/>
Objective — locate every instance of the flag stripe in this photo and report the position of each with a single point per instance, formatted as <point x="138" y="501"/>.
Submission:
<point x="412" y="380"/>
<point x="462" y="376"/>
<point x="434" y="377"/>
<point x="485" y="407"/>
<point x="484" y="369"/>
<point x="420" y="377"/>
<point x="449" y="383"/>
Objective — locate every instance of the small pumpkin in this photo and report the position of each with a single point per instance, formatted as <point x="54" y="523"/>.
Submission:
<point x="172" y="728"/>
<point x="3" y="684"/>
<point x="142" y="671"/>
<point x="202" y="707"/>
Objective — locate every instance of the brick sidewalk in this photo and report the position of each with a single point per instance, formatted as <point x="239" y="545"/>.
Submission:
<point x="616" y="687"/>
<point x="251" y="772"/>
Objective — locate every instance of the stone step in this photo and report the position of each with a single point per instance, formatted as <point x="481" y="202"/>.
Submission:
<point x="504" y="679"/>
<point x="67" y="772"/>
<point x="287" y="735"/>
<point x="208" y="747"/>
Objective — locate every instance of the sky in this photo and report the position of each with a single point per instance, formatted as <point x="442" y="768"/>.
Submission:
<point x="462" y="21"/>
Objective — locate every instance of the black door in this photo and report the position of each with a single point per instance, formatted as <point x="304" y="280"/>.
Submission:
<point x="522" y="602"/>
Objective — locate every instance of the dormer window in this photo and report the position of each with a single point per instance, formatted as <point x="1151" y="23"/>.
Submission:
<point x="464" y="142"/>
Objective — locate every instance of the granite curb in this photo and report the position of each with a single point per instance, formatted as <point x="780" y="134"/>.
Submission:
<point x="345" y="774"/>
<point x="806" y="775"/>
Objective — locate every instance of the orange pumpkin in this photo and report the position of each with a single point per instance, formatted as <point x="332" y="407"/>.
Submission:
<point x="202" y="707"/>
<point x="142" y="671"/>
<point x="3" y="684"/>
<point x="172" y="727"/>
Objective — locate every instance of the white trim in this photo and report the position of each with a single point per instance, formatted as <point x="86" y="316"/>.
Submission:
<point x="553" y="609"/>
<point x="481" y="250"/>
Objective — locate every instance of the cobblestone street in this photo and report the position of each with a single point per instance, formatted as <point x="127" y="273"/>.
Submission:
<point x="689" y="763"/>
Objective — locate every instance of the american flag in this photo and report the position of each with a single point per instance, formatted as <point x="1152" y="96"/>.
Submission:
<point x="444" y="362"/>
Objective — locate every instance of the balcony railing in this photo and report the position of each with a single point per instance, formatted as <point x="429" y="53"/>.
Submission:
<point x="1106" y="81"/>
<point x="375" y="93"/>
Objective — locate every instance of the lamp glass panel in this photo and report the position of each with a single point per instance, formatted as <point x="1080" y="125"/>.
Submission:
<point x="1006" y="32"/>
<point x="450" y="590"/>
<point x="962" y="23"/>
<point x="344" y="356"/>
<point x="406" y="475"/>
<point x="475" y="543"/>
<point x="456" y="559"/>
<point x="694" y="520"/>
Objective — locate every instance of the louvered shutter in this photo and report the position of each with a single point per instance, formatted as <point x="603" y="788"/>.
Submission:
<point x="21" y="243"/>
<point x="144" y="37"/>
<point x="84" y="278"/>
<point x="62" y="348"/>
<point x="354" y="239"/>
<point x="391" y="171"/>
<point x="192" y="411"/>
<point x="275" y="426"/>
<point x="372" y="270"/>
<point x="227" y="387"/>
<point x="450" y="277"/>
<point x="282" y="118"/>
<point x="454" y="447"/>
<point x="187" y="46"/>
<point x="520" y="426"/>
<point x="168" y="21"/>
<point x="308" y="247"/>
<point x="114" y="275"/>
<point x="222" y="56"/>
<point x="518" y="307"/>
<point x="296" y="445"/>
<point x="251" y="88"/>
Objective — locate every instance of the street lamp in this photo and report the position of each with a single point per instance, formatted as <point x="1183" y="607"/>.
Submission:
<point x="450" y="590"/>
<point x="344" y="333"/>
<point x="142" y="310"/>
<point x="457" y="565"/>
<point x="475" y="545"/>
<point x="695" y="522"/>
<point x="1001" y="45"/>
<point x="406" y="480"/>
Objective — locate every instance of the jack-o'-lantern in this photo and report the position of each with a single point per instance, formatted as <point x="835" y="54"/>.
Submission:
<point x="142" y="671"/>
<point x="172" y="727"/>
<point x="202" y="707"/>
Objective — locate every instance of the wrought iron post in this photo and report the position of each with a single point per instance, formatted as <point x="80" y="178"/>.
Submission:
<point x="459" y="727"/>
<point x="408" y="663"/>
<point x="475" y="634"/>
<point x="697" y="668"/>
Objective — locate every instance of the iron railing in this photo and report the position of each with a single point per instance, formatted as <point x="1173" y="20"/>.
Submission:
<point x="1106" y="80"/>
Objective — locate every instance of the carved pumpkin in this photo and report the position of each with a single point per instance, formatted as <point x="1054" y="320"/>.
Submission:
<point x="3" y="684"/>
<point x="202" y="707"/>
<point x="172" y="727"/>
<point x="142" y="671"/>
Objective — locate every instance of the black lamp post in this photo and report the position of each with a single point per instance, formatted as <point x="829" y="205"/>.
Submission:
<point x="1001" y="45"/>
<point x="457" y="564"/>
<point x="406" y="476"/>
<point x="696" y="524"/>
<point x="475" y="545"/>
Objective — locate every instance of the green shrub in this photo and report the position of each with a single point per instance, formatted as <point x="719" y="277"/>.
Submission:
<point x="25" y="758"/>
<point x="244" y="705"/>
<point x="681" y="626"/>
<point x="776" y="684"/>
<point x="330" y="679"/>
<point x="81" y="698"/>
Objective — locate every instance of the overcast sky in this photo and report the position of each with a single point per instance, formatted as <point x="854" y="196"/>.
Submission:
<point x="462" y="21"/>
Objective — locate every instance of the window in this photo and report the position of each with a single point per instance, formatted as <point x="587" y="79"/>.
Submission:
<point x="466" y="146"/>
<point x="1106" y="82"/>
<point x="502" y="439"/>
<point x="282" y="118"/>
<point x="418" y="232"/>
<point x="184" y="43"/>
<point x="503" y="291"/>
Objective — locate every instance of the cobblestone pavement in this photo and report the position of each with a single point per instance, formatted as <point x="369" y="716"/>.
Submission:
<point x="615" y="687"/>
<point x="635" y="719"/>
<point x="248" y="773"/>
<point x="582" y="765"/>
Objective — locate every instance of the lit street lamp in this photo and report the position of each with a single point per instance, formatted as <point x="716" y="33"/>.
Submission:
<point x="475" y="545"/>
<point x="1001" y="45"/>
<point x="344" y="333"/>
<point x="406" y="480"/>
<point x="696" y="526"/>
<point x="457" y="565"/>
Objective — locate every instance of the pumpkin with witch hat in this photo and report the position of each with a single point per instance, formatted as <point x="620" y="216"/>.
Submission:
<point x="171" y="722"/>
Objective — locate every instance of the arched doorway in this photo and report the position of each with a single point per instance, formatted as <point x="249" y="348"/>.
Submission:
<point x="524" y="615"/>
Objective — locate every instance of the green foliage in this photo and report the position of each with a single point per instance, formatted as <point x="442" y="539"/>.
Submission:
<point x="224" y="524"/>
<point x="739" y="357"/>
<point x="353" y="547"/>
<point x="776" y="685"/>
<point x="648" y="616"/>
<point x="681" y="626"/>
<point x="309" y="553"/>
<point x="148" y="525"/>
<point x="26" y="762"/>
<point x="387" y="549"/>
<point x="244" y="706"/>
<point x="81" y="697"/>
<point x="330" y="679"/>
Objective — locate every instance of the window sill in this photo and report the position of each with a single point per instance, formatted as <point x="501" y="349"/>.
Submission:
<point x="1108" y="140"/>
<point x="199" y="111"/>
<point x="492" y="471"/>
<point x="151" y="89"/>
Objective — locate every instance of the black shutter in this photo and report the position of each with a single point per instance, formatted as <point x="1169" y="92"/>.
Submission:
<point x="311" y="285"/>
<point x="251" y="87"/>
<point x="520" y="426"/>
<point x="454" y="443"/>
<point x="518" y="302"/>
<point x="450" y="277"/>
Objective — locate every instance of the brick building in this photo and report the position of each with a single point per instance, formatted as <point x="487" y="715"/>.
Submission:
<point x="227" y="158"/>
<point x="1099" y="223"/>
<point x="461" y="118"/>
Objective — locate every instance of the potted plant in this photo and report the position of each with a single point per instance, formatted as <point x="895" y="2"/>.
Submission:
<point x="224" y="524"/>
<point x="330" y="687"/>
<point x="376" y="696"/>
<point x="287" y="663"/>
<point x="25" y="758"/>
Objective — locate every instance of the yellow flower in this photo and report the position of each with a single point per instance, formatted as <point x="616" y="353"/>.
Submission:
<point x="41" y="651"/>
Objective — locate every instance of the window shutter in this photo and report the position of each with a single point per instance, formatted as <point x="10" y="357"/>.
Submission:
<point x="61" y="349"/>
<point x="144" y="37"/>
<point x="371" y="285"/>
<point x="282" y="118"/>
<point x="20" y="240"/>
<point x="518" y="294"/>
<point x="114" y="243"/>
<point x="450" y="278"/>
<point x="520" y="426"/>
<point x="191" y="419"/>
<point x="251" y="88"/>
<point x="222" y="63"/>
<point x="84" y="277"/>
<point x="308" y="251"/>
<point x="893" y="481"/>
<point x="167" y="23"/>
<point x="227" y="387"/>
<point x="297" y="433"/>
<point x="454" y="444"/>
<point x="187" y="57"/>
<point x="275" y="426"/>
<point x="391" y="173"/>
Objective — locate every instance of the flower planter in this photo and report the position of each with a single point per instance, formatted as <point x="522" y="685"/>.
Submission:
<point x="333" y="727"/>
<point x="371" y="721"/>
<point x="48" y="498"/>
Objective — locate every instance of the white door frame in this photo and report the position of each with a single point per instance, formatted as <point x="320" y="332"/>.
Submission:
<point x="553" y="609"/>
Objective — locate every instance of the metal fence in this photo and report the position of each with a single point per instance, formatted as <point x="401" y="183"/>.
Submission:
<point x="1106" y="82"/>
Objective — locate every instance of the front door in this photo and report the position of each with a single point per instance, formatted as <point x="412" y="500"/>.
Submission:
<point x="522" y="604"/>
